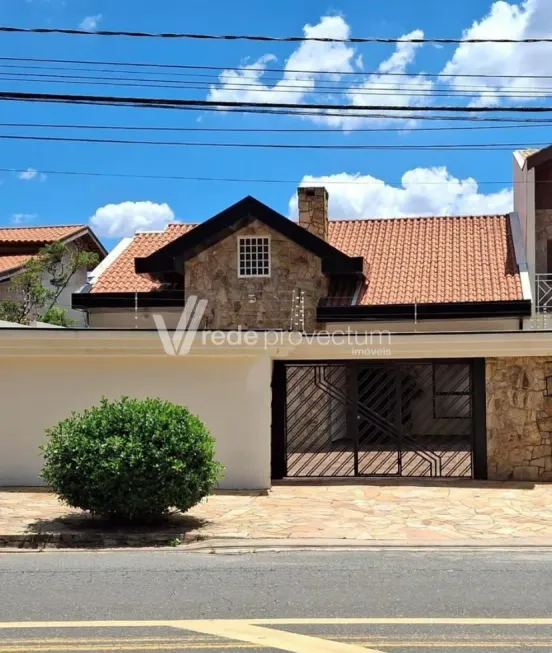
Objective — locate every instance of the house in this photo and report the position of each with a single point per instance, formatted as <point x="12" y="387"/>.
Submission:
<point x="18" y="245"/>
<point x="413" y="347"/>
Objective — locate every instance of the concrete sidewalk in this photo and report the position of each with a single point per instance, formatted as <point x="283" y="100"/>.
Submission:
<point x="392" y="512"/>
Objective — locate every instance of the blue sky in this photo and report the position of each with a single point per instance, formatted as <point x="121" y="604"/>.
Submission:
<point x="435" y="181"/>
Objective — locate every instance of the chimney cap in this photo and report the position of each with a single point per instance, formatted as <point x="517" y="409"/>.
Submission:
<point x="311" y="191"/>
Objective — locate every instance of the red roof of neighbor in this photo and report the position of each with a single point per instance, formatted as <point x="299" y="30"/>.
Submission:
<point x="410" y="260"/>
<point x="38" y="234"/>
<point x="433" y="260"/>
<point x="120" y="275"/>
<point x="13" y="262"/>
<point x="30" y="240"/>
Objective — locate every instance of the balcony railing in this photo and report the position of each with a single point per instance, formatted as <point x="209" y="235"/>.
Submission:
<point x="543" y="292"/>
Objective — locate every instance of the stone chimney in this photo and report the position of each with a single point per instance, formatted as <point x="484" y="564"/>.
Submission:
<point x="313" y="210"/>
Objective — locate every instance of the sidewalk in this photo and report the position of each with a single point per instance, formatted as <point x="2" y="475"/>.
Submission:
<point x="401" y="513"/>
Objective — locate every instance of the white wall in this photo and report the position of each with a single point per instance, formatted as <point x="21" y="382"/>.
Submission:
<point x="231" y="395"/>
<point x="128" y="318"/>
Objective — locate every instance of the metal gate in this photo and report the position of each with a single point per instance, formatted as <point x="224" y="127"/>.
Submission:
<point x="414" y="419"/>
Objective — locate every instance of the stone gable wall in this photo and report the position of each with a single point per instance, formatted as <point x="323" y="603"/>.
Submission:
<point x="263" y="303"/>
<point x="519" y="418"/>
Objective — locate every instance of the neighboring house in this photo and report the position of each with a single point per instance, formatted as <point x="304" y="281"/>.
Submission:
<point x="18" y="245"/>
<point x="414" y="347"/>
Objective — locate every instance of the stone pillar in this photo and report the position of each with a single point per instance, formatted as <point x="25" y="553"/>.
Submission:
<point x="313" y="210"/>
<point x="519" y="418"/>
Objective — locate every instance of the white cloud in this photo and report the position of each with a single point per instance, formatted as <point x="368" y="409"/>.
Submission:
<point x="28" y="174"/>
<point x="309" y="56"/>
<point x="90" y="23"/>
<point x="119" y="220"/>
<point x="23" y="218"/>
<point x="423" y="191"/>
<point x="246" y="85"/>
<point x="384" y="90"/>
<point x="527" y="19"/>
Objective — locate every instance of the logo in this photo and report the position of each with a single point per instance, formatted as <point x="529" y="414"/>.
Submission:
<point x="186" y="329"/>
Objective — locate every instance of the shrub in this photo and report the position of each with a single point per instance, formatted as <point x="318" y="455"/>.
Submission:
<point x="131" y="459"/>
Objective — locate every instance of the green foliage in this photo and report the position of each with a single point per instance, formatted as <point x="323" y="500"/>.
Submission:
<point x="58" y="316"/>
<point x="41" y="282"/>
<point x="11" y="311"/>
<point x="131" y="459"/>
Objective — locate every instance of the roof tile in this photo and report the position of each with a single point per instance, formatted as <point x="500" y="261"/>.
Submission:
<point x="38" y="234"/>
<point x="120" y="275"/>
<point x="410" y="260"/>
<point x="13" y="262"/>
<point x="436" y="259"/>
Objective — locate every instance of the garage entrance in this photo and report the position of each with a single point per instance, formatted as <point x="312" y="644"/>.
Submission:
<point x="391" y="418"/>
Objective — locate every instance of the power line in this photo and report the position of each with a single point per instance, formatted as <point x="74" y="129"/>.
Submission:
<point x="261" y="130"/>
<point x="283" y="146"/>
<point x="373" y="90"/>
<point x="258" y="37"/>
<point x="202" y="104"/>
<point x="260" y="69"/>
<point x="240" y="180"/>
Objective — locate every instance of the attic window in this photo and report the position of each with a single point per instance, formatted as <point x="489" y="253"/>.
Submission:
<point x="254" y="256"/>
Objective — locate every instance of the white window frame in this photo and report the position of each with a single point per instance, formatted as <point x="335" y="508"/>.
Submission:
<point x="255" y="276"/>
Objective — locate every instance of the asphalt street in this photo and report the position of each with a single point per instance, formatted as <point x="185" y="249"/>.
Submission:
<point x="375" y="600"/>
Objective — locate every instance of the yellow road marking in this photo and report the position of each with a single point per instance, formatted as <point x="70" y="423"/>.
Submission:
<point x="360" y="621"/>
<point x="270" y="638"/>
<point x="262" y="632"/>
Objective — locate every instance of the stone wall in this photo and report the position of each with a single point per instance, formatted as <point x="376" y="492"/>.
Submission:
<point x="543" y="233"/>
<point x="262" y="303"/>
<point x="519" y="418"/>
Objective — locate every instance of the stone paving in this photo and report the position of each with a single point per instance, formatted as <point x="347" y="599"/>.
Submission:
<point x="401" y="512"/>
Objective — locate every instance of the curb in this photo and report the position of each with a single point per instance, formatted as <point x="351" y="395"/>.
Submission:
<point x="96" y="540"/>
<point x="196" y="543"/>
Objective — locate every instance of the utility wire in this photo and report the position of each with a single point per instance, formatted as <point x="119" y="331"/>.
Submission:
<point x="261" y="130"/>
<point x="259" y="69"/>
<point x="202" y="104"/>
<point x="258" y="37"/>
<point x="376" y="89"/>
<point x="284" y="146"/>
<point x="240" y="180"/>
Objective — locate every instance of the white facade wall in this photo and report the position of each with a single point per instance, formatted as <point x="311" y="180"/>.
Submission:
<point x="231" y="395"/>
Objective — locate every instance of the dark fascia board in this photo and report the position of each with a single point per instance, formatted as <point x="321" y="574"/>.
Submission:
<point x="540" y="157"/>
<point x="234" y="218"/>
<point x="450" y="311"/>
<point x="162" y="299"/>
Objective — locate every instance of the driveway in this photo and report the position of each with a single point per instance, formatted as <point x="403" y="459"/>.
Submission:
<point x="407" y="513"/>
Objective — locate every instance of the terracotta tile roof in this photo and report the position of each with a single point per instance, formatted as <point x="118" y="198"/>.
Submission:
<point x="120" y="275"/>
<point x="422" y="260"/>
<point x="38" y="234"/>
<point x="13" y="262"/>
<point x="436" y="259"/>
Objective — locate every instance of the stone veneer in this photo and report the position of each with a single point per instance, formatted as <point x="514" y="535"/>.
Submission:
<point x="543" y="233"/>
<point x="262" y="303"/>
<point x="313" y="210"/>
<point x="519" y="418"/>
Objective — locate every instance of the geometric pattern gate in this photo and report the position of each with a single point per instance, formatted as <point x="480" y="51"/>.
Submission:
<point x="394" y="418"/>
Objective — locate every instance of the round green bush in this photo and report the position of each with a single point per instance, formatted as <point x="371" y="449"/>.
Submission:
<point x="131" y="459"/>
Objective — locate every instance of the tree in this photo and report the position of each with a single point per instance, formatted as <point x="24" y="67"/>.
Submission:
<point x="39" y="285"/>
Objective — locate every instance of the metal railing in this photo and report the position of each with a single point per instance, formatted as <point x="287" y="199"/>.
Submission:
<point x="543" y="293"/>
